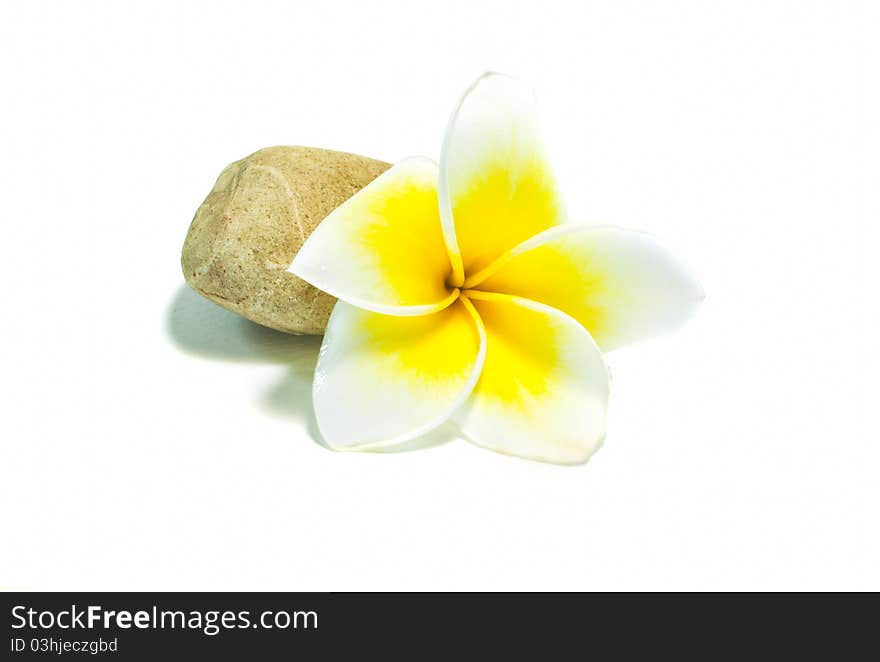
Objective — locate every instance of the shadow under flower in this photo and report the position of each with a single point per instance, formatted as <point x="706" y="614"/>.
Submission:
<point x="201" y="328"/>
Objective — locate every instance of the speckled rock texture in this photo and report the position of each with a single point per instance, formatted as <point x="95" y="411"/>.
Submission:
<point x="248" y="230"/>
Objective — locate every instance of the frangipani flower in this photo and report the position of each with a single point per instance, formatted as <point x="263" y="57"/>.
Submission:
<point x="463" y="296"/>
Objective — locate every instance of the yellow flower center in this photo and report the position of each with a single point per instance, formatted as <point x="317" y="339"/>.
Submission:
<point x="461" y="287"/>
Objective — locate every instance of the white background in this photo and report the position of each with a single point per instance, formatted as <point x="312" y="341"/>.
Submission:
<point x="151" y="440"/>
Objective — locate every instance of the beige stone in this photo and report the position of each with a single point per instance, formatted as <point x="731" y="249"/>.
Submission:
<point x="248" y="230"/>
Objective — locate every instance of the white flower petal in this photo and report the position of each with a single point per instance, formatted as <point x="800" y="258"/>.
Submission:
<point x="382" y="380"/>
<point x="496" y="188"/>
<point x="621" y="285"/>
<point x="543" y="391"/>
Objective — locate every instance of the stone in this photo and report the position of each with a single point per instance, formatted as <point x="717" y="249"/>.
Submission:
<point x="246" y="233"/>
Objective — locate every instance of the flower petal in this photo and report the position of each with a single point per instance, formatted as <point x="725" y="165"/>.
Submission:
<point x="382" y="380"/>
<point x="383" y="249"/>
<point x="496" y="189"/>
<point x="544" y="388"/>
<point x="621" y="285"/>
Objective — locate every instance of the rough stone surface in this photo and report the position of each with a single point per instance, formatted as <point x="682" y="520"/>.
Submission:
<point x="248" y="230"/>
